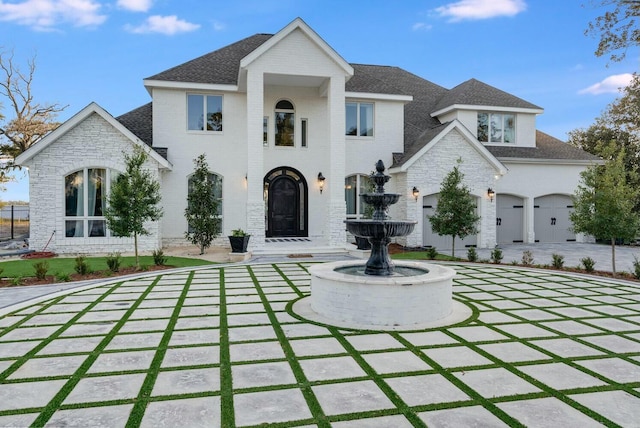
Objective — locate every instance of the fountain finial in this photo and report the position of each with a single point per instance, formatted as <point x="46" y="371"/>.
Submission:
<point x="379" y="178"/>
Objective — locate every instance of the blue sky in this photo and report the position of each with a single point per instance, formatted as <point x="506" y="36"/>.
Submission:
<point x="91" y="50"/>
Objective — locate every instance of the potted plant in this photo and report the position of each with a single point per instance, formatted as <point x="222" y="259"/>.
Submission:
<point x="239" y="240"/>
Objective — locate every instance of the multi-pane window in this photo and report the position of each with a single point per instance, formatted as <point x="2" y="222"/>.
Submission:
<point x="85" y="194"/>
<point x="215" y="183"/>
<point x="359" y="119"/>
<point x="496" y="128"/>
<point x="204" y="112"/>
<point x="284" y="124"/>
<point x="354" y="186"/>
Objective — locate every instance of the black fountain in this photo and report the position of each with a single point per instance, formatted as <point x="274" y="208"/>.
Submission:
<point x="379" y="294"/>
<point x="379" y="229"/>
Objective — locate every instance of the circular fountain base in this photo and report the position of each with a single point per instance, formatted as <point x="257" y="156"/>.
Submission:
<point x="419" y="298"/>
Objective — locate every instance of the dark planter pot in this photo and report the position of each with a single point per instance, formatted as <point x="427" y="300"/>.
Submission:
<point x="363" y="243"/>
<point x="239" y="243"/>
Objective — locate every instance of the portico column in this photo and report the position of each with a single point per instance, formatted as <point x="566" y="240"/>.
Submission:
<point x="336" y="208"/>
<point x="255" y="159"/>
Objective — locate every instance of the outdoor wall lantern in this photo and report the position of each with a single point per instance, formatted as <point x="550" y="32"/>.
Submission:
<point x="491" y="193"/>
<point x="416" y="192"/>
<point x="321" y="181"/>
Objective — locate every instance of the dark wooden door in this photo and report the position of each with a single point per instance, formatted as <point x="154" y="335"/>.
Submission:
<point x="284" y="207"/>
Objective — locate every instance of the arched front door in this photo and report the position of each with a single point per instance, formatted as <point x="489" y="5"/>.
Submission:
<point x="286" y="194"/>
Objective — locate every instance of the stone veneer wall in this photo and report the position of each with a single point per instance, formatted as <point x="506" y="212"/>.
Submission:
<point x="94" y="143"/>
<point x="427" y="174"/>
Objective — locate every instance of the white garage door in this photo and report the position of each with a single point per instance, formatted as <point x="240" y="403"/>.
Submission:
<point x="432" y="239"/>
<point x="551" y="218"/>
<point x="509" y="219"/>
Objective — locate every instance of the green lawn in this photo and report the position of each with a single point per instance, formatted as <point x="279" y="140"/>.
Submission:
<point x="62" y="266"/>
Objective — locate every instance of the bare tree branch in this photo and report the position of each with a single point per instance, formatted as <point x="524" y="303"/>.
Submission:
<point x="30" y="120"/>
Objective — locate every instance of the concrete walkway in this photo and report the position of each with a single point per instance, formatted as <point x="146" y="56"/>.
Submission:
<point x="220" y="347"/>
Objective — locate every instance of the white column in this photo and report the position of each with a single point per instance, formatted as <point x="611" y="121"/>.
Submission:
<point x="336" y="209"/>
<point x="255" y="157"/>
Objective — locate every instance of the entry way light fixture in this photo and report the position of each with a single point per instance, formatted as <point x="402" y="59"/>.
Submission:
<point x="321" y="181"/>
<point x="491" y="193"/>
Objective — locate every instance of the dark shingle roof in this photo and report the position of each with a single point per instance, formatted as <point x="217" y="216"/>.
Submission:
<point x="476" y="93"/>
<point x="547" y="147"/>
<point x="220" y="67"/>
<point x="139" y="122"/>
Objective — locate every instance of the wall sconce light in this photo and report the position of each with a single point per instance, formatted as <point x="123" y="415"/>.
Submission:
<point x="321" y="181"/>
<point x="491" y="193"/>
<point x="416" y="192"/>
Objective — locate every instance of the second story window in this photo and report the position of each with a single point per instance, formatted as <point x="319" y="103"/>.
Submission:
<point x="496" y="128"/>
<point x="204" y="112"/>
<point x="284" y="124"/>
<point x="359" y="119"/>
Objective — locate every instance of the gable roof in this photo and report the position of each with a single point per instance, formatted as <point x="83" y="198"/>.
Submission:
<point x="139" y="121"/>
<point x="547" y="148"/>
<point x="70" y="124"/>
<point x="476" y="93"/>
<point x="431" y="137"/>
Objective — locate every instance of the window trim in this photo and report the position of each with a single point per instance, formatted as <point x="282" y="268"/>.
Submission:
<point x="358" y="120"/>
<point x="204" y="107"/>
<point x="291" y="111"/>
<point x="304" y="132"/>
<point x="86" y="218"/>
<point x="360" y="187"/>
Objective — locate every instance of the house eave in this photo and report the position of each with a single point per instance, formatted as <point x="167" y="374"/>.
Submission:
<point x="538" y="161"/>
<point x="376" y="96"/>
<point x="486" y="108"/>
<point x="189" y="86"/>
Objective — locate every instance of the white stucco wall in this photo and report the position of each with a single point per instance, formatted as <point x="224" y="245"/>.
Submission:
<point x="94" y="143"/>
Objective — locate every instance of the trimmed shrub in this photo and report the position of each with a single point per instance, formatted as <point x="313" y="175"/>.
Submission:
<point x="432" y="253"/>
<point x="588" y="263"/>
<point x="41" y="269"/>
<point x="113" y="262"/>
<point x="557" y="261"/>
<point x="496" y="256"/>
<point x="82" y="267"/>
<point x="472" y="254"/>
<point x="63" y="277"/>
<point x="159" y="258"/>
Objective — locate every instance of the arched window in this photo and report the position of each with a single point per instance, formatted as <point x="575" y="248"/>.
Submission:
<point x="284" y="127"/>
<point x="86" y="193"/>
<point x="354" y="186"/>
<point x="215" y="182"/>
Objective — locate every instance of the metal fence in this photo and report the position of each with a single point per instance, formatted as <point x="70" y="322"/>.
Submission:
<point x="14" y="222"/>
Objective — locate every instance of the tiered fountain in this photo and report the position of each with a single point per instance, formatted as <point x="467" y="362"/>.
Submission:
<point x="379" y="294"/>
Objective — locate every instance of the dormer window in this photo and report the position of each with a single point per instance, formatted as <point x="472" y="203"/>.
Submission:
<point x="496" y="128"/>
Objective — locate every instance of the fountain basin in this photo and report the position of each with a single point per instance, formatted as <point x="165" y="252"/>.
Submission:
<point x="379" y="228"/>
<point x="401" y="300"/>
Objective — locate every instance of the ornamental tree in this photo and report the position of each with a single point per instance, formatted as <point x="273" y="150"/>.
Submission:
<point x="133" y="200"/>
<point x="455" y="214"/>
<point x="202" y="206"/>
<point x="604" y="202"/>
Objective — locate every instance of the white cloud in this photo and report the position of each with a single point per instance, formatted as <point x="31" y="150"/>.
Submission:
<point x="45" y="15"/>
<point x="610" y="85"/>
<point x="480" y="9"/>
<point x="219" y="26"/>
<point x="135" y="5"/>
<point x="168" y="25"/>
<point x="421" y="26"/>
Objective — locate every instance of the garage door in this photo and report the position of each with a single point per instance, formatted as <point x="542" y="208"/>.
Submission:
<point x="432" y="239"/>
<point x="509" y="219"/>
<point x="551" y="218"/>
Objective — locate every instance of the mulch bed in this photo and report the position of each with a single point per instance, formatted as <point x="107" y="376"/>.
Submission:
<point x="103" y="274"/>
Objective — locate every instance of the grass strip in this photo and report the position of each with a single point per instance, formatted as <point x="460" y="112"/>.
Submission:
<point x="137" y="413"/>
<point x="227" y="411"/>
<point x="55" y="403"/>
<point x="312" y="401"/>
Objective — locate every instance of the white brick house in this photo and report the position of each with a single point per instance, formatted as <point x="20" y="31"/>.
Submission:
<point x="273" y="113"/>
